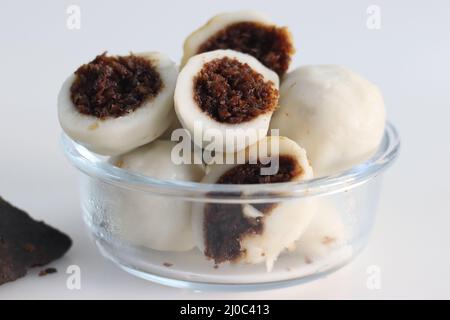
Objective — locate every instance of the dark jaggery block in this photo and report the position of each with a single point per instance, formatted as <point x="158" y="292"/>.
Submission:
<point x="26" y="243"/>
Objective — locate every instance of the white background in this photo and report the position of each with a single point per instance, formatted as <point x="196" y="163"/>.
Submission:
<point x="409" y="58"/>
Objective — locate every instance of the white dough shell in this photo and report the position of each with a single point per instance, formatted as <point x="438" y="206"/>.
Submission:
<point x="326" y="233"/>
<point x="113" y="136"/>
<point x="154" y="221"/>
<point x="198" y="122"/>
<point x="283" y="225"/>
<point x="216" y="24"/>
<point x="335" y="114"/>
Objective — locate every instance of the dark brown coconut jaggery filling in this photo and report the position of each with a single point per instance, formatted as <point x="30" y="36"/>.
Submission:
<point x="271" y="45"/>
<point x="225" y="225"/>
<point x="114" y="86"/>
<point x="232" y="92"/>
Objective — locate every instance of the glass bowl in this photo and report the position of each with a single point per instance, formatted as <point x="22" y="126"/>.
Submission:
<point x="345" y="211"/>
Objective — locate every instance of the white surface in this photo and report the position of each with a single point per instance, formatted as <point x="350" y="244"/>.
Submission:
<point x="408" y="58"/>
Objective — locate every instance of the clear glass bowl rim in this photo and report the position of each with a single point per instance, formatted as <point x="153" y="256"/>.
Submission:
<point x="95" y="167"/>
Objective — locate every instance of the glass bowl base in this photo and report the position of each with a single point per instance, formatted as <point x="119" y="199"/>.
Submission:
<point x="232" y="277"/>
